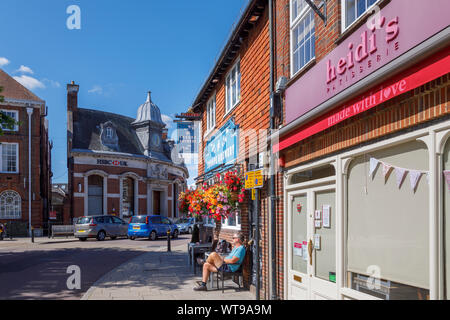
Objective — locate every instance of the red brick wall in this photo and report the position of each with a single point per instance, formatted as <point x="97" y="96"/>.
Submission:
<point x="19" y="182"/>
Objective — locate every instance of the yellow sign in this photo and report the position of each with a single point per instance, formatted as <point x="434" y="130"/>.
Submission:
<point x="253" y="194"/>
<point x="249" y="180"/>
<point x="254" y="179"/>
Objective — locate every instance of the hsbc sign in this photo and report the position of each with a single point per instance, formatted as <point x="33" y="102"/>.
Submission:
<point x="115" y="163"/>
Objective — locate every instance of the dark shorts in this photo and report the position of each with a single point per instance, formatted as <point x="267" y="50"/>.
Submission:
<point x="225" y="268"/>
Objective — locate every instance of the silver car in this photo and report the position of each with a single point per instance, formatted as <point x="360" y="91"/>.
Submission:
<point x="100" y="227"/>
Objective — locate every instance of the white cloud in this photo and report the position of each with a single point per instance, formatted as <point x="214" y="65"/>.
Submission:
<point x="96" y="89"/>
<point x="3" y="61"/>
<point x="25" y="69"/>
<point x="52" y="83"/>
<point x="167" y="120"/>
<point x="29" y="82"/>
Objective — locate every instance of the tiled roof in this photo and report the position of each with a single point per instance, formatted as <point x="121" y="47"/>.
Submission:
<point x="14" y="90"/>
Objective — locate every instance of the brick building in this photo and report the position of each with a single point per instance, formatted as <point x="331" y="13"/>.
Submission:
<point x="235" y="102"/>
<point x="364" y="144"/>
<point x="24" y="192"/>
<point x="119" y="165"/>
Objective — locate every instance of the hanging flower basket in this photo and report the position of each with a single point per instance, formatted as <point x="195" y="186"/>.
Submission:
<point x="218" y="201"/>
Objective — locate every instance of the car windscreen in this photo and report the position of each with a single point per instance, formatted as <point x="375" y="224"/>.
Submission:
<point x="84" y="220"/>
<point x="140" y="219"/>
<point x="182" y="221"/>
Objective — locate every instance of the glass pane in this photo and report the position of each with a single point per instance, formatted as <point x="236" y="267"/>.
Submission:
<point x="388" y="225"/>
<point x="350" y="12"/>
<point x="361" y="7"/>
<point x="299" y="234"/>
<point x="325" y="262"/>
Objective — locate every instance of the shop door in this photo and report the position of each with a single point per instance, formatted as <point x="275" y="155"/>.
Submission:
<point x="312" y="244"/>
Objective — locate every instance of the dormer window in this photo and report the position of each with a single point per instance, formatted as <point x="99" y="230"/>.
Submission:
<point x="109" y="133"/>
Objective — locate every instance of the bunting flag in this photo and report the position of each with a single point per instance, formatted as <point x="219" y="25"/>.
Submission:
<point x="373" y="166"/>
<point x="447" y="178"/>
<point x="414" y="177"/>
<point x="400" y="174"/>
<point x="386" y="169"/>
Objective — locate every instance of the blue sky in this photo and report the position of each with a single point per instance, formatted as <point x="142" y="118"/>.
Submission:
<point x="124" y="49"/>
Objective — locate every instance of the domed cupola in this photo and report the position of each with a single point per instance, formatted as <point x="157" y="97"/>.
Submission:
<point x="149" y="112"/>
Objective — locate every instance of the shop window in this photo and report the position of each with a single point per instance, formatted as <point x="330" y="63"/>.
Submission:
<point x="303" y="48"/>
<point x="387" y="224"/>
<point x="233" y="87"/>
<point x="233" y="222"/>
<point x="10" y="205"/>
<point x="446" y="191"/>
<point x="9" y="157"/>
<point x="353" y="9"/>
<point x="313" y="174"/>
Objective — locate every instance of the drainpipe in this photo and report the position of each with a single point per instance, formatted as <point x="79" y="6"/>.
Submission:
<point x="30" y="113"/>
<point x="272" y="160"/>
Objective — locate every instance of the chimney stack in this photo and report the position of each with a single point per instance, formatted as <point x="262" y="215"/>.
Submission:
<point x="72" y="96"/>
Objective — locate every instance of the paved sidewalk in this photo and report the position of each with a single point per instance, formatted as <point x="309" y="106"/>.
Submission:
<point x="158" y="275"/>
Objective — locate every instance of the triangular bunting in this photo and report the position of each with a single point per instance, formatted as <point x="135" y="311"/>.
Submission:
<point x="386" y="169"/>
<point x="414" y="177"/>
<point x="400" y="174"/>
<point x="447" y="178"/>
<point x="373" y="166"/>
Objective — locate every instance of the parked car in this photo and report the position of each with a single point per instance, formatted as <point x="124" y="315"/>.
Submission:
<point x="185" y="225"/>
<point x="100" y="227"/>
<point x="151" y="227"/>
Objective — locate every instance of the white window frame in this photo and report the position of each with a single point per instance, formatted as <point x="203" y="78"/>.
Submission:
<point x="1" y="157"/>
<point x="228" y="106"/>
<point x="16" y="217"/>
<point x="16" y="127"/>
<point x="237" y="226"/>
<point x="211" y="114"/>
<point x="294" y="23"/>
<point x="344" y="14"/>
<point x="108" y="131"/>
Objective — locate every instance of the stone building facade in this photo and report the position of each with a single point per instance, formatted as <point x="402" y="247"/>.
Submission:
<point x="119" y="165"/>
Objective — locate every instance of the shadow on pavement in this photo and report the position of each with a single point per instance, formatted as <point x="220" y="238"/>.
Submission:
<point x="42" y="274"/>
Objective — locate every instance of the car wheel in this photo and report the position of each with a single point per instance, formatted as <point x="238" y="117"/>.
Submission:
<point x="101" y="236"/>
<point x="175" y="234"/>
<point x="113" y="238"/>
<point x="82" y="239"/>
<point x="190" y="230"/>
<point x="153" y="236"/>
<point x="132" y="238"/>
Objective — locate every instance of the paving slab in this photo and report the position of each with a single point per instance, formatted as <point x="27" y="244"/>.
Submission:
<point x="159" y="275"/>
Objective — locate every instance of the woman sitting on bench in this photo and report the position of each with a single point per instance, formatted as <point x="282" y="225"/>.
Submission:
<point x="231" y="263"/>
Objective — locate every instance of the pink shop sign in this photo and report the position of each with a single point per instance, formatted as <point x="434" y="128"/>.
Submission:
<point x="400" y="26"/>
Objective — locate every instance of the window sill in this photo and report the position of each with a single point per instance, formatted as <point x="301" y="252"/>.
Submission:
<point x="208" y="133"/>
<point x="1" y="172"/>
<point x="301" y="72"/>
<point x="232" y="109"/>
<point x="231" y="227"/>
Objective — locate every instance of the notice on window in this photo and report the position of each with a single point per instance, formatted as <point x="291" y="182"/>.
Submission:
<point x="298" y="250"/>
<point x="317" y="241"/>
<point x="326" y="214"/>
<point x="305" y="250"/>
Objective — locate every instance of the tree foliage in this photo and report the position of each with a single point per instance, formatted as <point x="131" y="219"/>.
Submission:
<point x="6" y="122"/>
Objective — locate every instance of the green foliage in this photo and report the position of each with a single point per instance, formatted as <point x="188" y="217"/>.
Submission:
<point x="5" y="121"/>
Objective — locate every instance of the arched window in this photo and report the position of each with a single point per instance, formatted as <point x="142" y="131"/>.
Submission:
<point x="10" y="205"/>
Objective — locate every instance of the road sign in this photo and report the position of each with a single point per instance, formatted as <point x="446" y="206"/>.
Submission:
<point x="254" y="179"/>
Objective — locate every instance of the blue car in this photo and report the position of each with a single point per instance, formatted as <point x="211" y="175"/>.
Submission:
<point x="185" y="225"/>
<point x="151" y="227"/>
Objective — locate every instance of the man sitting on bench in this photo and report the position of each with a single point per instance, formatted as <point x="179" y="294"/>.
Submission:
<point x="231" y="263"/>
